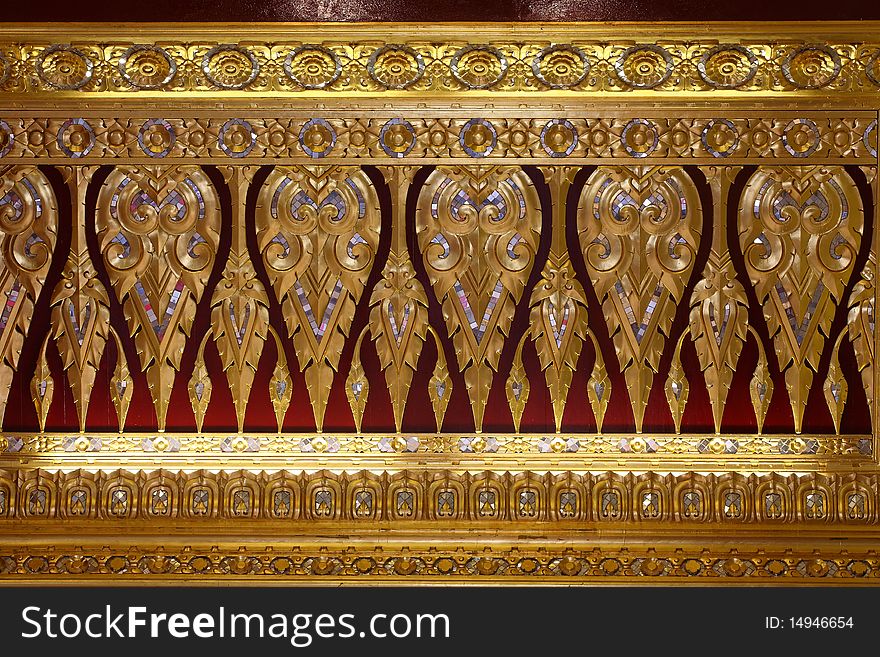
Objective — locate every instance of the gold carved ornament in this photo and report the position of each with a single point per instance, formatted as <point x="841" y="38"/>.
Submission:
<point x="80" y="307"/>
<point x="860" y="325"/>
<point x="28" y="225"/>
<point x="399" y="305"/>
<point x="719" y="317"/>
<point x="800" y="231"/>
<point x="240" y="307"/>
<point x="317" y="233"/>
<point x="158" y="230"/>
<point x="558" y="315"/>
<point x="478" y="230"/>
<point x="639" y="230"/>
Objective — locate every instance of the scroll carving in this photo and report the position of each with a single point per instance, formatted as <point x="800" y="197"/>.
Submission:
<point x="800" y="229"/>
<point x="158" y="229"/>
<point x="28" y="224"/>
<point x="318" y="231"/>
<point x="639" y="229"/>
<point x="478" y="230"/>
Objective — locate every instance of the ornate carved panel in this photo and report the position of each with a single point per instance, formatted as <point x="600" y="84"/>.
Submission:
<point x="321" y="311"/>
<point x="478" y="230"/>
<point x="158" y="231"/>
<point x="639" y="229"/>
<point x="318" y="231"/>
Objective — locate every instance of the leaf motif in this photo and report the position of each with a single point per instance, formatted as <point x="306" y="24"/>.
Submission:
<point x="121" y="383"/>
<point x="280" y="385"/>
<point x="200" y="386"/>
<point x="42" y="386"/>
<point x="440" y="385"/>
<point x="599" y="385"/>
<point x="677" y="386"/>
<point x="861" y="326"/>
<point x="357" y="387"/>
<point x="518" y="386"/>
<point x="835" y="386"/>
<point x="761" y="386"/>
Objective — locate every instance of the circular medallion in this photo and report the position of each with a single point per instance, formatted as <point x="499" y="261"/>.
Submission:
<point x="156" y="137"/>
<point x="397" y="138"/>
<point x="644" y="67"/>
<point x="811" y="67"/>
<point x="395" y="66"/>
<point x="639" y="138"/>
<point x="312" y="67"/>
<point x="477" y="137"/>
<point x="230" y="67"/>
<point x="317" y="138"/>
<point x="7" y="138"/>
<point x="65" y="68"/>
<point x="478" y="67"/>
<point x="75" y="138"/>
<point x="727" y="66"/>
<point x="870" y="138"/>
<point x="559" y="138"/>
<point x="872" y="68"/>
<point x="236" y="138"/>
<point x="720" y="137"/>
<point x="560" y="66"/>
<point x="801" y="138"/>
<point x="147" y="67"/>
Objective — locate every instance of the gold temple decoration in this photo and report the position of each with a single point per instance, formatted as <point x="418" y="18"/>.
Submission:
<point x="357" y="386"/>
<point x="28" y="225"/>
<point x="200" y="387"/>
<point x="639" y="229"/>
<point x="440" y="385"/>
<point x="761" y="385"/>
<point x="80" y="311"/>
<point x="599" y="385"/>
<point x="861" y="326"/>
<point x="518" y="386"/>
<point x="280" y="385"/>
<point x="399" y="306"/>
<point x="800" y="230"/>
<point x="677" y="386"/>
<point x="158" y="229"/>
<point x="121" y="383"/>
<point x="585" y="157"/>
<point x="318" y="231"/>
<point x="719" y="317"/>
<point x="43" y="386"/>
<point x="558" y="314"/>
<point x="835" y="386"/>
<point x="478" y="230"/>
<point x="240" y="307"/>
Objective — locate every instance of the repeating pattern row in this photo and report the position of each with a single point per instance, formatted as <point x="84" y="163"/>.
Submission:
<point x="478" y="230"/>
<point x="420" y="66"/>
<point x="438" y="495"/>
<point x="401" y="138"/>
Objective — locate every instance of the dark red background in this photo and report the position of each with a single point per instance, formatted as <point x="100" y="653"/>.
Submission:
<point x="437" y="10"/>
